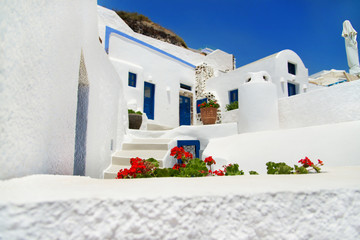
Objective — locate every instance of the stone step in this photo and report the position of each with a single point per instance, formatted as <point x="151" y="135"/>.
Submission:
<point x="123" y="157"/>
<point x="145" y="146"/>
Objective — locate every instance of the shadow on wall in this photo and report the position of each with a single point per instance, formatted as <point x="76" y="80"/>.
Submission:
<point x="81" y="120"/>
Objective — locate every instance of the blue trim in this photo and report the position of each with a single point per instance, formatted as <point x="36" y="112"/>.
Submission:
<point x="181" y="143"/>
<point x="110" y="30"/>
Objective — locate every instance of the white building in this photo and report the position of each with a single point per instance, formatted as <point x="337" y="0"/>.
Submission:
<point x="159" y="77"/>
<point x="286" y="69"/>
<point x="328" y="78"/>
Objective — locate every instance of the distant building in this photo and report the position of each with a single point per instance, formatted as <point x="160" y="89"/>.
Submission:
<point x="327" y="78"/>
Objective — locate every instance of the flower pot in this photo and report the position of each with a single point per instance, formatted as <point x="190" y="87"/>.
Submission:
<point x="208" y="115"/>
<point x="135" y="121"/>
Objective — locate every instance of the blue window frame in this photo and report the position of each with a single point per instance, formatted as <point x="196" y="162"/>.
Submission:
<point x="233" y="95"/>
<point x="190" y="144"/>
<point x="200" y="101"/>
<point x="132" y="79"/>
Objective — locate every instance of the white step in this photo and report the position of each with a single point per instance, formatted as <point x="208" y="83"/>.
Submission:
<point x="151" y="140"/>
<point x="145" y="146"/>
<point x="112" y="170"/>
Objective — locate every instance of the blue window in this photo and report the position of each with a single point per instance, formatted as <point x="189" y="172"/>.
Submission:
<point x="185" y="87"/>
<point x="291" y="68"/>
<point x="200" y="101"/>
<point x="291" y="89"/>
<point x="233" y="96"/>
<point x="132" y="79"/>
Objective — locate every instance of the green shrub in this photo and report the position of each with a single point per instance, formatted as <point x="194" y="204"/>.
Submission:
<point x="195" y="168"/>
<point x="232" y="106"/>
<point x="130" y="111"/>
<point x="165" y="172"/>
<point x="153" y="161"/>
<point x="278" y="168"/>
<point x="300" y="170"/>
<point x="233" y="169"/>
<point x="253" y="173"/>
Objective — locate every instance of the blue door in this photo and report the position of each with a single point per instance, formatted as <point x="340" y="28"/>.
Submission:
<point x="184" y="107"/>
<point x="149" y="99"/>
<point x="291" y="89"/>
<point x="233" y="96"/>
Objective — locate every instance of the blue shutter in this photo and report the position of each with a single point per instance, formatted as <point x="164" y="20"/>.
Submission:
<point x="132" y="79"/>
<point x="233" y="96"/>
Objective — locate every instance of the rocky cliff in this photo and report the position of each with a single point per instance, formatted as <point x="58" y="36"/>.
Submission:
<point x="143" y="25"/>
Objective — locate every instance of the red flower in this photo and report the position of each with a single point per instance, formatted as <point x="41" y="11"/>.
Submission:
<point x="306" y="162"/>
<point x="320" y="162"/>
<point x="178" y="166"/>
<point x="209" y="160"/>
<point x="188" y="155"/>
<point x="219" y="172"/>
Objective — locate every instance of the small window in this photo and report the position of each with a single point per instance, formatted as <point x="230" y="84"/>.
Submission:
<point x="292" y="89"/>
<point x="132" y="79"/>
<point x="233" y="95"/>
<point x="198" y="102"/>
<point x="183" y="86"/>
<point x="291" y="68"/>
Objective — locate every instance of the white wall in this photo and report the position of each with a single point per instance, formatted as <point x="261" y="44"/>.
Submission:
<point x="41" y="48"/>
<point x="313" y="206"/>
<point x="156" y="68"/>
<point x="327" y="105"/>
<point x="275" y="65"/>
<point x="335" y="144"/>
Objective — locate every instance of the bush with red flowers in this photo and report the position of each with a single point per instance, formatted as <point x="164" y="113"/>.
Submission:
<point x="188" y="166"/>
<point x="307" y="164"/>
<point x="211" y="103"/>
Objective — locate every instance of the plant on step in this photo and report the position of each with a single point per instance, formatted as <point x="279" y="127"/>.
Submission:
<point x="166" y="172"/>
<point x="232" y="170"/>
<point x="211" y="103"/>
<point x="130" y="111"/>
<point x="209" y="161"/>
<point x="253" y="173"/>
<point x="181" y="155"/>
<point x="282" y="168"/>
<point x="278" y="168"/>
<point x="140" y="168"/>
<point x="307" y="165"/>
<point x="195" y="168"/>
<point x="232" y="106"/>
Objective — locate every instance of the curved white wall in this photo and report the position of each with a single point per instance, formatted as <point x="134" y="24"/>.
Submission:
<point x="41" y="48"/>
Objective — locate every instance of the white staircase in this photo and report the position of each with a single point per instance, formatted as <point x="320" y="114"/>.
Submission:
<point x="144" y="148"/>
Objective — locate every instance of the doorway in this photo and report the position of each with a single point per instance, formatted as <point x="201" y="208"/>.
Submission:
<point x="185" y="110"/>
<point x="149" y="99"/>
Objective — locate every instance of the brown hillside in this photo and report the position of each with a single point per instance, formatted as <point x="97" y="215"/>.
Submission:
<point x="143" y="25"/>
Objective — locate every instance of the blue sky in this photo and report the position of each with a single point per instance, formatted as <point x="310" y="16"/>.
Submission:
<point x="253" y="29"/>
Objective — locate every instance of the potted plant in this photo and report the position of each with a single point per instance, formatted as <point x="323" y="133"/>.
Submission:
<point x="135" y="119"/>
<point x="209" y="112"/>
